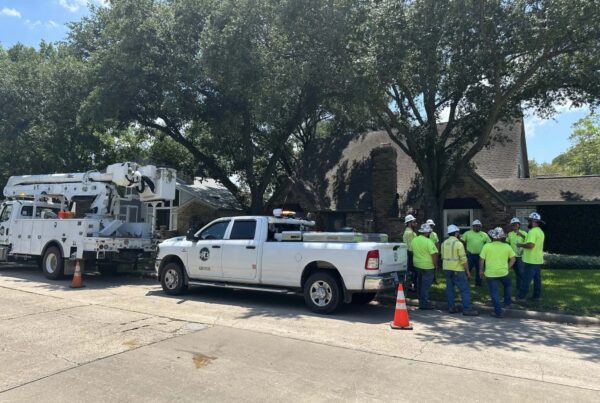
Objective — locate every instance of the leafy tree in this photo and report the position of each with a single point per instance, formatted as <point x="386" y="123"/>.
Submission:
<point x="471" y="64"/>
<point x="231" y="81"/>
<point x="583" y="157"/>
<point x="547" y="169"/>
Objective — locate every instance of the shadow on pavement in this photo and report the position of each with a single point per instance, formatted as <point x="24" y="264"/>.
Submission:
<point x="270" y="305"/>
<point x="512" y="334"/>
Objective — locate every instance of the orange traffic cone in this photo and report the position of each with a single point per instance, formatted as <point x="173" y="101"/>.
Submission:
<point x="401" y="313"/>
<point x="77" y="281"/>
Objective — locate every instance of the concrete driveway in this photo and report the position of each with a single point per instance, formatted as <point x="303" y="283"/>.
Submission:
<point x="121" y="339"/>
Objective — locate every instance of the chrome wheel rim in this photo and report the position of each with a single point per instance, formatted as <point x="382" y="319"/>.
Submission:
<point x="171" y="279"/>
<point x="51" y="263"/>
<point x="321" y="293"/>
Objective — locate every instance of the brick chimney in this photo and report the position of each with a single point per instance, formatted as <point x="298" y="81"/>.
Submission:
<point x="384" y="184"/>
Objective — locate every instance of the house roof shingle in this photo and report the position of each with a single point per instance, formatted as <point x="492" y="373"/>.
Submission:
<point x="210" y="192"/>
<point x="560" y="189"/>
<point x="339" y="168"/>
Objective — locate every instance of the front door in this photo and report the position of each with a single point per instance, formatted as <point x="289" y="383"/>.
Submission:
<point x="205" y="255"/>
<point x="241" y="251"/>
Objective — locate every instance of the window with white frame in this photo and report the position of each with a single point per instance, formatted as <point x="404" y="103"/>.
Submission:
<point x="462" y="218"/>
<point x="522" y="213"/>
<point x="128" y="213"/>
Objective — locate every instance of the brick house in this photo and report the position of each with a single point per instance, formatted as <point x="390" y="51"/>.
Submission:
<point x="357" y="181"/>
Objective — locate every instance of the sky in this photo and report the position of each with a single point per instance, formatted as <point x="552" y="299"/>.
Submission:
<point x="31" y="21"/>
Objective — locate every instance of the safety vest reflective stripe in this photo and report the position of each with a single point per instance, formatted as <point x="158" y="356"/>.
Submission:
<point x="452" y="252"/>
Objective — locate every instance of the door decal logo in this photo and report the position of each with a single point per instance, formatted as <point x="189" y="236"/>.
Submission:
<point x="204" y="254"/>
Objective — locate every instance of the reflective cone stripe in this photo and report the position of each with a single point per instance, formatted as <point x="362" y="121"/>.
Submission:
<point x="77" y="281"/>
<point x="401" y="313"/>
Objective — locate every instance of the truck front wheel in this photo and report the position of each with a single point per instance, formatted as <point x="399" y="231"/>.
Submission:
<point x="322" y="293"/>
<point x="53" y="263"/>
<point x="172" y="280"/>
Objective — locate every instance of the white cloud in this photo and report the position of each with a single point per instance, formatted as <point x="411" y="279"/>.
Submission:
<point x="534" y="123"/>
<point x="10" y="12"/>
<point x="33" y="24"/>
<point x="52" y="24"/>
<point x="75" y="5"/>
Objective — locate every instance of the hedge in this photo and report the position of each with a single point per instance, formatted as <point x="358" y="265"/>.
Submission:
<point x="554" y="261"/>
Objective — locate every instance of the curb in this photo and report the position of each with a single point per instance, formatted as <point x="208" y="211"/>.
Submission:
<point x="510" y="313"/>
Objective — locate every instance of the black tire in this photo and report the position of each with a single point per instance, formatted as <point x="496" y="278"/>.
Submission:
<point x="172" y="279"/>
<point x="53" y="264"/>
<point x="323" y="293"/>
<point x="363" y="298"/>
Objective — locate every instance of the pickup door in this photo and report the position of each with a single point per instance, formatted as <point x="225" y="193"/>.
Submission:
<point x="205" y="254"/>
<point x="240" y="251"/>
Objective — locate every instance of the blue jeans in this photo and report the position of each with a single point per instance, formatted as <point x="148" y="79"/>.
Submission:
<point x="459" y="280"/>
<point x="423" y="285"/>
<point x="531" y="272"/>
<point x="474" y="264"/>
<point x="518" y="268"/>
<point x="493" y="285"/>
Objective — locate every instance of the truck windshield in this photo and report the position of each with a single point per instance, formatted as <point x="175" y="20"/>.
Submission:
<point x="6" y="213"/>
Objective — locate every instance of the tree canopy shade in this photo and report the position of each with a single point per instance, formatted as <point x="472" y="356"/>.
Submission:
<point x="231" y="81"/>
<point x="469" y="64"/>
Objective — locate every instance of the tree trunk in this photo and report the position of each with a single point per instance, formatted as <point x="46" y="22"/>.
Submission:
<point x="433" y="205"/>
<point x="257" y="204"/>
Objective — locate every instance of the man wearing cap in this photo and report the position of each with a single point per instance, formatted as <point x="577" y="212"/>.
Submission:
<point x="410" y="234"/>
<point x="496" y="260"/>
<point x="533" y="258"/>
<point x="433" y="236"/>
<point x="456" y="271"/>
<point x="475" y="239"/>
<point x="515" y="236"/>
<point x="425" y="260"/>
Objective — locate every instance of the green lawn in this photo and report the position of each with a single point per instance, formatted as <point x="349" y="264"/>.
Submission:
<point x="567" y="291"/>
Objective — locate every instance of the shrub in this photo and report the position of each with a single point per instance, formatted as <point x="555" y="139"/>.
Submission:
<point x="555" y="261"/>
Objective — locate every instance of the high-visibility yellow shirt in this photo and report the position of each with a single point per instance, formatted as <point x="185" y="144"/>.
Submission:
<point x="423" y="248"/>
<point x="513" y="238"/>
<point x="496" y="255"/>
<point x="434" y="238"/>
<point x="453" y="254"/>
<point x="475" y="241"/>
<point x="408" y="237"/>
<point x="534" y="255"/>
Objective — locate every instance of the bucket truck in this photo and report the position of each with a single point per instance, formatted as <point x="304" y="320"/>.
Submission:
<point x="58" y="219"/>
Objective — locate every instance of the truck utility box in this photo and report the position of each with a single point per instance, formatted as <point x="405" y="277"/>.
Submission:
<point x="330" y="237"/>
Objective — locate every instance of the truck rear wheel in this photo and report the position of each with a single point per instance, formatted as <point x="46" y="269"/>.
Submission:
<point x="172" y="280"/>
<point x="322" y="293"/>
<point x="52" y="263"/>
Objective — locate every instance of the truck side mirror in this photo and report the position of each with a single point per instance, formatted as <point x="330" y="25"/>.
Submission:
<point x="191" y="235"/>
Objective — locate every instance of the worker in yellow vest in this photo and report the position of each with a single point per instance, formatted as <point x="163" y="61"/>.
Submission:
<point x="474" y="239"/>
<point x="456" y="271"/>
<point x="496" y="259"/>
<point x="533" y="258"/>
<point x="425" y="260"/>
<point x="409" y="234"/>
<point x="514" y="237"/>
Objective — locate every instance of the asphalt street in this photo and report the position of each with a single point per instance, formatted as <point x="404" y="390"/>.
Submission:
<point x="121" y="339"/>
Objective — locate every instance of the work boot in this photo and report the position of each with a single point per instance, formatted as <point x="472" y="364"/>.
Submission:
<point x="471" y="312"/>
<point x="453" y="310"/>
<point x="495" y="315"/>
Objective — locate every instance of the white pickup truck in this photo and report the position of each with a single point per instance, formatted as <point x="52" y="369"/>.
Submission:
<point x="277" y="254"/>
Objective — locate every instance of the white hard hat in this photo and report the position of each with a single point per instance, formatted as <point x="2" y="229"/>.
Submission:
<point x="515" y="220"/>
<point x="409" y="218"/>
<point x="497" y="233"/>
<point x="452" y="229"/>
<point x="535" y="217"/>
<point x="476" y="222"/>
<point x="430" y="222"/>
<point x="425" y="228"/>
